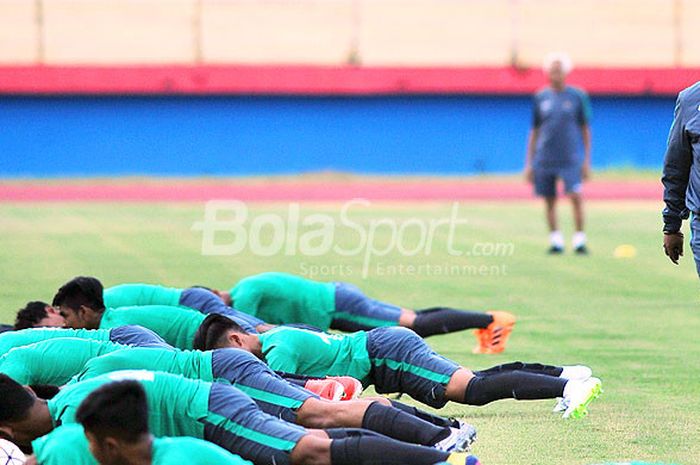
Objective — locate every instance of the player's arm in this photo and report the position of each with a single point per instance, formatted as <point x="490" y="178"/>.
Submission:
<point x="586" y="137"/>
<point x="676" y="173"/>
<point x="532" y="142"/>
<point x="584" y="121"/>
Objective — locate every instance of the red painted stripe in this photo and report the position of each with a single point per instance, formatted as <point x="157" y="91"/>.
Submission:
<point x="319" y="80"/>
<point x="312" y="191"/>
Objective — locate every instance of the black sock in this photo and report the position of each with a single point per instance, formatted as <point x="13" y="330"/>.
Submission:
<point x="382" y="451"/>
<point x="344" y="433"/>
<point x="429" y="417"/>
<point x="441" y="320"/>
<point x="549" y="370"/>
<point x="403" y="426"/>
<point x="519" y="385"/>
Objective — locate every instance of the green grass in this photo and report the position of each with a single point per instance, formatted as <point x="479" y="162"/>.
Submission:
<point x="634" y="321"/>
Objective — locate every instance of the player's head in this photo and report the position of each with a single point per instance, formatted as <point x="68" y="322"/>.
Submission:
<point x="16" y="402"/>
<point x="80" y="302"/>
<point x="115" y="419"/>
<point x="225" y="296"/>
<point x="219" y="332"/>
<point x="557" y="66"/>
<point x="37" y="314"/>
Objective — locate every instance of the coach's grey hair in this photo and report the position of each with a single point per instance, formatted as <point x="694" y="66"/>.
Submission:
<point x="554" y="57"/>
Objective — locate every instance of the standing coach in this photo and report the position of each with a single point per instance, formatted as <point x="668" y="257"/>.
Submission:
<point x="560" y="126"/>
<point x="681" y="176"/>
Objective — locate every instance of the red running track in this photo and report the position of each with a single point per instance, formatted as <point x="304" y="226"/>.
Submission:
<point x="306" y="190"/>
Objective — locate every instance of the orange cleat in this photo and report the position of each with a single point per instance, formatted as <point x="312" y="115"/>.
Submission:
<point x="493" y="338"/>
<point x="352" y="386"/>
<point x="329" y="389"/>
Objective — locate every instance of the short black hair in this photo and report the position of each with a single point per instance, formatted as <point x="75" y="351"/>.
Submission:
<point x="118" y="409"/>
<point x="82" y="290"/>
<point x="30" y="315"/>
<point x="15" y="400"/>
<point x="212" y="330"/>
<point x="45" y="391"/>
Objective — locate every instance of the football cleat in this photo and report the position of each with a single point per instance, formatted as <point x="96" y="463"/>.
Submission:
<point x="351" y="386"/>
<point x="326" y="388"/>
<point x="580" y="395"/>
<point x="459" y="440"/>
<point x="576" y="372"/>
<point x="493" y="338"/>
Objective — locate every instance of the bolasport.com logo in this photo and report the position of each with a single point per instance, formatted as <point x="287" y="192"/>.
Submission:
<point x="229" y="228"/>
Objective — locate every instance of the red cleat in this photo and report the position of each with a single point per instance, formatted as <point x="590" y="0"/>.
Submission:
<point x="326" y="388"/>
<point x="352" y="386"/>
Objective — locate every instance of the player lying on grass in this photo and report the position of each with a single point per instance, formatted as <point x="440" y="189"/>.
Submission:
<point x="216" y="412"/>
<point x="130" y="335"/>
<point x="39" y="313"/>
<point x="56" y="361"/>
<point x="115" y="421"/>
<point x="281" y="298"/>
<point x="196" y="298"/>
<point x="288" y="299"/>
<point x="398" y="360"/>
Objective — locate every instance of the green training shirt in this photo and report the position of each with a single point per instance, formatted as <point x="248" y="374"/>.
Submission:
<point x="54" y="361"/>
<point x="310" y="353"/>
<point x="64" y="445"/>
<point x="191" y="451"/>
<point x="175" y="404"/>
<point x="177" y="325"/>
<point x="68" y="445"/>
<point x="190" y="364"/>
<point x="281" y="298"/>
<point x="12" y="339"/>
<point x="129" y="295"/>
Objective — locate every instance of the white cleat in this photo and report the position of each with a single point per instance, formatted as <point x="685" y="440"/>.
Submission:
<point x="561" y="405"/>
<point x="579" y="394"/>
<point x="459" y="440"/>
<point x="576" y="372"/>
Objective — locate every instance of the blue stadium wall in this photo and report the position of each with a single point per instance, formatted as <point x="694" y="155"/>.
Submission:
<point x="92" y="136"/>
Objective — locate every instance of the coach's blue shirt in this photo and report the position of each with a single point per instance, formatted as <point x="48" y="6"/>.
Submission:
<point x="681" y="177"/>
<point x="559" y="117"/>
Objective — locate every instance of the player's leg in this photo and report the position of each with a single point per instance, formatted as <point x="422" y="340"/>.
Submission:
<point x="301" y="380"/>
<point x="443" y="320"/>
<point x="292" y="403"/>
<point x="235" y="423"/>
<point x="207" y="302"/>
<point x="578" y="372"/>
<point x="354" y="311"/>
<point x="572" y="186"/>
<point x="402" y="362"/>
<point x="137" y="336"/>
<point x="545" y="182"/>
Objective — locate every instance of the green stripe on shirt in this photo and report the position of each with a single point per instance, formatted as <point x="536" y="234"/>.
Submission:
<point x="249" y="434"/>
<point x="416" y="370"/>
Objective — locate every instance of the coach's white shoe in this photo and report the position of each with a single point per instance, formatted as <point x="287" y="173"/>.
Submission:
<point x="459" y="440"/>
<point x="576" y="372"/>
<point x="579" y="394"/>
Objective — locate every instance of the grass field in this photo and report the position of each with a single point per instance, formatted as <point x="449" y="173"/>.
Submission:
<point x="634" y="321"/>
